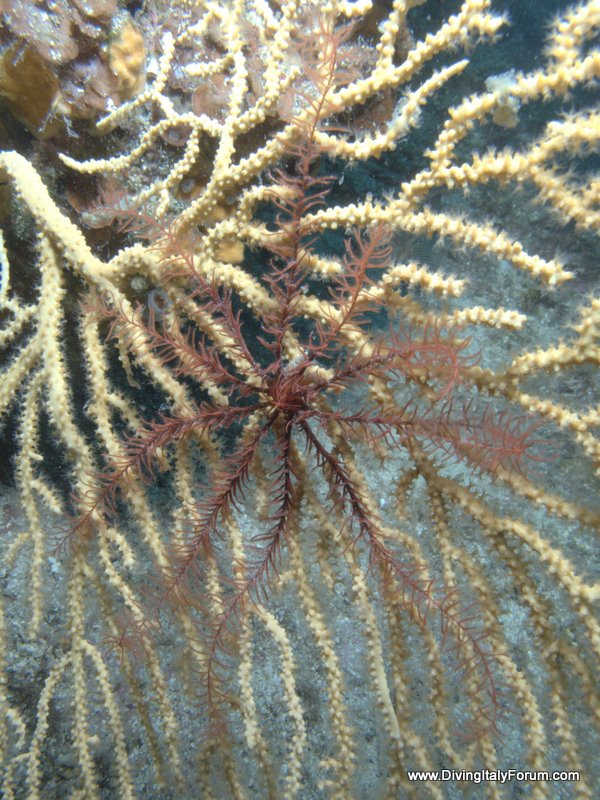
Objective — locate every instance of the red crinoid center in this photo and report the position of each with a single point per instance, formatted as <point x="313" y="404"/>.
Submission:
<point x="289" y="393"/>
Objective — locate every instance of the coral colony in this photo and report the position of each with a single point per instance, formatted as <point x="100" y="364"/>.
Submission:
<point x="285" y="520"/>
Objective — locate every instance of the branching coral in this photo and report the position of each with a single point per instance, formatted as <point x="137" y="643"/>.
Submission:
<point x="329" y="666"/>
<point x="288" y="400"/>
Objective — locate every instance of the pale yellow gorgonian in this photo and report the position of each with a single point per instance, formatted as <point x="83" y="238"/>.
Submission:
<point x="486" y="182"/>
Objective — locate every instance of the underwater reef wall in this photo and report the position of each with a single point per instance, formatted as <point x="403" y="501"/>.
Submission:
<point x="299" y="346"/>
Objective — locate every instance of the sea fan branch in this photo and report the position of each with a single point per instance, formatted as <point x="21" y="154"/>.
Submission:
<point x="255" y="576"/>
<point x="418" y="595"/>
<point x="225" y="494"/>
